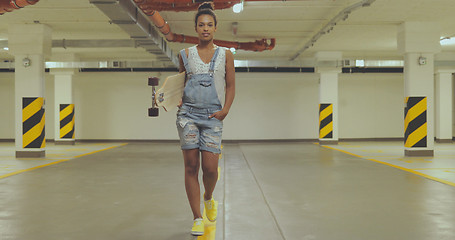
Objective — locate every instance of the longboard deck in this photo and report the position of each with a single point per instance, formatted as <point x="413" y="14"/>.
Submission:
<point x="170" y="94"/>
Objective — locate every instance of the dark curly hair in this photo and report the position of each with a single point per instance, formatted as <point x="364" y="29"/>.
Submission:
<point x="206" y="8"/>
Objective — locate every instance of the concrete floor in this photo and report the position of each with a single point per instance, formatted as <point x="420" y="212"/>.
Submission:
<point x="266" y="191"/>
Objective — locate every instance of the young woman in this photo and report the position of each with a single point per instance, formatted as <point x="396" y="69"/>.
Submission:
<point x="208" y="96"/>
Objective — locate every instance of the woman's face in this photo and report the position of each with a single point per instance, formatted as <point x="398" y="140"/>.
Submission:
<point x="205" y="27"/>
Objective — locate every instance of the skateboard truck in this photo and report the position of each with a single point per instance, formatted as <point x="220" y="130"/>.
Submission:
<point x="154" y="110"/>
<point x="161" y="97"/>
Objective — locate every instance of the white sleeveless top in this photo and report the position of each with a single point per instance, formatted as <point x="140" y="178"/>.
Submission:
<point x="197" y="66"/>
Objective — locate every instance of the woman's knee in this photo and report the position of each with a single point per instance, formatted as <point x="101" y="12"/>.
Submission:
<point x="192" y="162"/>
<point x="192" y="169"/>
<point x="210" y="171"/>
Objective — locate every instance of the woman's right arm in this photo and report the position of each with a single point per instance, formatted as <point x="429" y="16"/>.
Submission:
<point x="182" y="69"/>
<point x="181" y="65"/>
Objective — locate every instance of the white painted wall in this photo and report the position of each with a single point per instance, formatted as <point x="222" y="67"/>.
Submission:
<point x="114" y="106"/>
<point x="371" y="105"/>
<point x="7" y="126"/>
<point x="267" y="106"/>
<point x="274" y="106"/>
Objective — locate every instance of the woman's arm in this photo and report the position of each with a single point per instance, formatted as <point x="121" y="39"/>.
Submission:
<point x="182" y="69"/>
<point x="181" y="64"/>
<point x="230" y="81"/>
<point x="230" y="87"/>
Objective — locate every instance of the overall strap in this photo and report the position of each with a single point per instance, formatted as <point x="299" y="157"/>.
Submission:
<point x="185" y="61"/>
<point x="212" y="62"/>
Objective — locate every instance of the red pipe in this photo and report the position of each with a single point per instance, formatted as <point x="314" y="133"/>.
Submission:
<point x="185" y="5"/>
<point x="10" y="5"/>
<point x="163" y="26"/>
<point x="179" y="5"/>
<point x="258" y="45"/>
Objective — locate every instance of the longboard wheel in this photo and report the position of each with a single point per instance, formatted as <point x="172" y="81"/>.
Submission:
<point x="153" y="81"/>
<point x="154" y="112"/>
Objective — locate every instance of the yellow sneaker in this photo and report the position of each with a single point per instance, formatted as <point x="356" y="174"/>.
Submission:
<point x="198" y="227"/>
<point x="211" y="209"/>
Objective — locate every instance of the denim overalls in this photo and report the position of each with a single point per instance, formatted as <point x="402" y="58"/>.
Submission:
<point x="200" y="100"/>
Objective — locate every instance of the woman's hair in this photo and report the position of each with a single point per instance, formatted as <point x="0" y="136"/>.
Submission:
<point x="206" y="8"/>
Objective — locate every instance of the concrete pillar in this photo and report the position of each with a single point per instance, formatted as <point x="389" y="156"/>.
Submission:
<point x="63" y="97"/>
<point x="328" y="68"/>
<point x="30" y="44"/>
<point x="419" y="42"/>
<point x="443" y="105"/>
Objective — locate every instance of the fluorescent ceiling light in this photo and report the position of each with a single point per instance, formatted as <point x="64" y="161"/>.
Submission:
<point x="237" y="8"/>
<point x="447" y="41"/>
<point x="360" y="63"/>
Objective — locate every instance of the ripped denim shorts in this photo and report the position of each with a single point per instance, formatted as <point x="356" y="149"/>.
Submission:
<point x="198" y="131"/>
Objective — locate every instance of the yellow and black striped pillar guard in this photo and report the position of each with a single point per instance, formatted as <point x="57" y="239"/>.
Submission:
<point x="67" y="121"/>
<point x="415" y="122"/>
<point x="325" y="120"/>
<point x="33" y="122"/>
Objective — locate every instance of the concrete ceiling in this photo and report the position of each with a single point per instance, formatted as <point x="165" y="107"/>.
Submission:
<point x="368" y="33"/>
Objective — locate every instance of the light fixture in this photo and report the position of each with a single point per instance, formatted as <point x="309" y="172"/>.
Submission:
<point x="237" y="8"/>
<point x="447" y="41"/>
<point x="6" y="48"/>
<point x="360" y="63"/>
<point x="235" y="26"/>
<point x="233" y="50"/>
<point x="26" y="62"/>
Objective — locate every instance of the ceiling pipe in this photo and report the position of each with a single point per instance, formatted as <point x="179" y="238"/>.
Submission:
<point x="258" y="45"/>
<point x="163" y="26"/>
<point x="147" y="6"/>
<point x="11" y="5"/>
<point x="187" y="5"/>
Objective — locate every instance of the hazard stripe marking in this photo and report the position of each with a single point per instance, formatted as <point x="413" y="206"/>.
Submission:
<point x="325" y="120"/>
<point x="33" y="123"/>
<point x="415" y="122"/>
<point x="31" y="106"/>
<point x="416" y="137"/>
<point x="67" y="121"/>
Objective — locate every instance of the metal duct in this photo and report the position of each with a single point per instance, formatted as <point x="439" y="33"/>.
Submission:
<point x="133" y="21"/>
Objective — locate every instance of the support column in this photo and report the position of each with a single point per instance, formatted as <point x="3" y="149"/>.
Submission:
<point x="419" y="41"/>
<point x="328" y="68"/>
<point x="444" y="105"/>
<point x="63" y="96"/>
<point x="30" y="44"/>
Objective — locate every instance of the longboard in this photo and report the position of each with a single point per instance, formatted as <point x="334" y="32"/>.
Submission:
<point x="169" y="95"/>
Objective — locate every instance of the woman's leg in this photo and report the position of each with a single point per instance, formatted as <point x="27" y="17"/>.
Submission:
<point x="209" y="172"/>
<point x="191" y="158"/>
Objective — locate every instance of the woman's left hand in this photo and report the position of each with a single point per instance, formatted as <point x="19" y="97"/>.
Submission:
<point x="219" y="115"/>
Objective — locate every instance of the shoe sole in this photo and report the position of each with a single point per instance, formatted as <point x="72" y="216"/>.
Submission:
<point x="197" y="233"/>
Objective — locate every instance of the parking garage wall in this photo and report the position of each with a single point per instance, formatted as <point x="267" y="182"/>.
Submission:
<point x="267" y="106"/>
